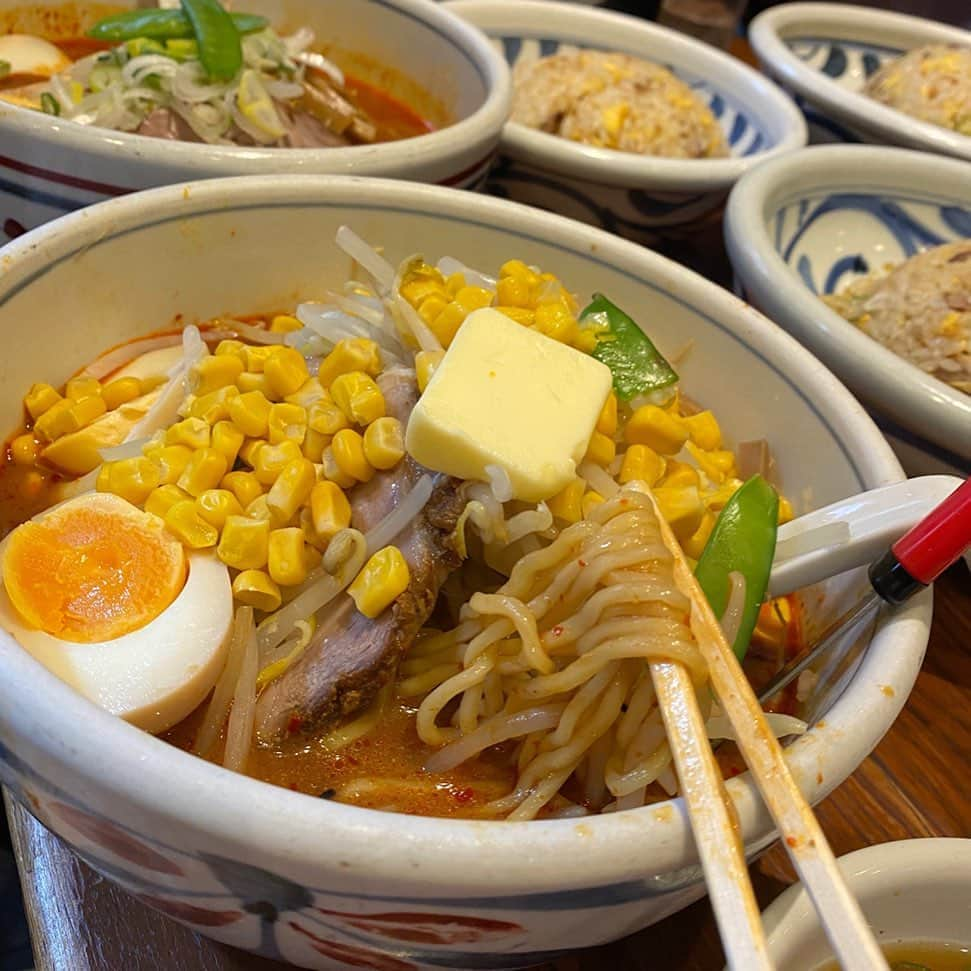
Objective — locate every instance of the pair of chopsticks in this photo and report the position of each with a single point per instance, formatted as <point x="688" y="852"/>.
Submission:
<point x="712" y="813"/>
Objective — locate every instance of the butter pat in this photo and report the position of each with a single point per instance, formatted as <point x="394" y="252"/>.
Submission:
<point x="508" y="396"/>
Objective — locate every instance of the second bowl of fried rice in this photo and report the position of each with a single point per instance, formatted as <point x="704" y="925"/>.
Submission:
<point x="864" y="254"/>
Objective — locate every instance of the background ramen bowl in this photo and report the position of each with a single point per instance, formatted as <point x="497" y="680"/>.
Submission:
<point x="823" y="54"/>
<point x="807" y="224"/>
<point x="636" y="196"/>
<point x="50" y="166"/>
<point x="316" y="882"/>
<point x="911" y="890"/>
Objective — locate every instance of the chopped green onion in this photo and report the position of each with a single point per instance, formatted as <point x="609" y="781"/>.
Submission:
<point x="4" y="68"/>
<point x="50" y="104"/>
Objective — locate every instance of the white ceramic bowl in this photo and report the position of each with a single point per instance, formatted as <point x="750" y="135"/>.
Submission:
<point x="50" y="166"/>
<point x="315" y="882"/>
<point x="824" y="52"/>
<point x="632" y="195"/>
<point x="806" y="224"/>
<point x="911" y="890"/>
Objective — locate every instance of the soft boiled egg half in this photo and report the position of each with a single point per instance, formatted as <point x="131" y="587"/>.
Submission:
<point x="107" y="599"/>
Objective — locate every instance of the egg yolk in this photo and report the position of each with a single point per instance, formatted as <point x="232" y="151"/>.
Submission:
<point x="92" y="569"/>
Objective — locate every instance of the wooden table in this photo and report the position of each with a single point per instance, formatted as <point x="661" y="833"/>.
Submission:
<point x="914" y="784"/>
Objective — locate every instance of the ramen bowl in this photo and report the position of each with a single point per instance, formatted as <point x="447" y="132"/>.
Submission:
<point x="823" y="53"/>
<point x="909" y="891"/>
<point x="807" y="225"/>
<point x="327" y="885"/>
<point x="438" y="65"/>
<point x="636" y="196"/>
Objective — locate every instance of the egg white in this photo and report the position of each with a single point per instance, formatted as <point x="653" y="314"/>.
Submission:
<point x="155" y="676"/>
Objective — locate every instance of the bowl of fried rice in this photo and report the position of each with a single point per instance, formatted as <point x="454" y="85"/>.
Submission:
<point x="623" y="123"/>
<point x="872" y="272"/>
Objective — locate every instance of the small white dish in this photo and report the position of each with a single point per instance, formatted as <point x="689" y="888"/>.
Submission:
<point x="629" y="194"/>
<point x="806" y="224"/>
<point x="823" y="53"/>
<point x="911" y="890"/>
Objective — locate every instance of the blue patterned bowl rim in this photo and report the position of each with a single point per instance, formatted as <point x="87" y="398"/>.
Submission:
<point x="768" y="109"/>
<point x="931" y="410"/>
<point x="773" y="31"/>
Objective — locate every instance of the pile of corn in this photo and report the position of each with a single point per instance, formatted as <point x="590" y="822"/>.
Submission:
<point x="259" y="465"/>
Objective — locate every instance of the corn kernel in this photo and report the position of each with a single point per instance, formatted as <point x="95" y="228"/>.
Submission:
<point x="642" y="464"/>
<point x="256" y="589"/>
<point x="227" y="439"/>
<point x="382" y="580"/>
<point x="589" y="502"/>
<point x="272" y="459"/>
<point x="284" y="324"/>
<point x="287" y="421"/>
<point x="445" y="326"/>
<point x="58" y="420"/>
<point x="704" y="430"/>
<point x="325" y="417"/>
<point x="216" y="505"/>
<point x="314" y="444"/>
<point x="39" y="399"/>
<point x="214" y="372"/>
<point x="513" y="292"/>
<point x="786" y="512"/>
<point x="256" y="357"/>
<point x="352" y="354"/>
<point x="425" y="364"/>
<point x="607" y="422"/>
<point x="243" y="485"/>
<point x="358" y="396"/>
<point x="554" y="320"/>
<point x="251" y="381"/>
<point x="204" y="471"/>
<point x="431" y="307"/>
<point x="717" y="465"/>
<point x="191" y="432"/>
<point x="601" y="450"/>
<point x="151" y="382"/>
<point x="520" y="314"/>
<point x="285" y="370"/>
<point x="680" y="474"/>
<point x="332" y="472"/>
<point x="421" y="284"/>
<point x="454" y="283"/>
<point x="292" y="488"/>
<point x="258" y="509"/>
<point x="250" y="413"/>
<point x="232" y="348"/>
<point x="694" y="545"/>
<point x="348" y="450"/>
<point x="244" y="543"/>
<point x="120" y="392"/>
<point x="188" y="527"/>
<point x="162" y="499"/>
<point x="286" y="558"/>
<point x="653" y="426"/>
<point x="78" y="388"/>
<point x="519" y="270"/>
<point x="171" y="461"/>
<point x="384" y="443"/>
<point x="567" y="505"/>
<point x="24" y="449"/>
<point x="309" y="392"/>
<point x="249" y="450"/>
<point x="681" y="506"/>
<point x="330" y="510"/>
<point x="214" y="406"/>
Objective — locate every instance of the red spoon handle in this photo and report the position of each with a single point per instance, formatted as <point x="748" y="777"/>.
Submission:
<point x="938" y="539"/>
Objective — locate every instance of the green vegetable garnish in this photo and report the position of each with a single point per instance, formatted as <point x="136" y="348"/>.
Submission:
<point x="49" y="104"/>
<point x="4" y="68"/>
<point x="637" y="365"/>
<point x="182" y="48"/>
<point x="743" y="541"/>
<point x="218" y="39"/>
<point x="162" y="25"/>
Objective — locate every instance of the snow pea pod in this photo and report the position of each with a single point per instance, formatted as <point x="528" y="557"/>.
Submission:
<point x="218" y="39"/>
<point x="742" y="541"/>
<point x="161" y="24"/>
<point x="637" y="365"/>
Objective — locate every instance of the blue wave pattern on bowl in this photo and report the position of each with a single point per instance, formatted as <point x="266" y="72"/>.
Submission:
<point x="849" y="64"/>
<point x="831" y="239"/>
<point x="743" y="135"/>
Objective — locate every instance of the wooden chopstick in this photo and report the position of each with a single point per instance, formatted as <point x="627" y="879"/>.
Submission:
<point x="839" y="913"/>
<point x="712" y="820"/>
